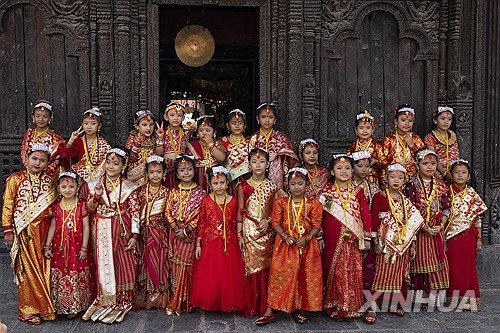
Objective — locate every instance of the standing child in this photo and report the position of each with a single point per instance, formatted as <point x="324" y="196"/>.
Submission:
<point x="174" y="140"/>
<point x="318" y="175"/>
<point x="360" y="172"/>
<point x="255" y="198"/>
<point x="42" y="115"/>
<point x="346" y="231"/>
<point x="364" y="128"/>
<point x="115" y="229"/>
<point x="463" y="234"/>
<point x="141" y="143"/>
<point x="430" y="195"/>
<point x="207" y="150"/>
<point x="152" y="286"/>
<point x="66" y="246"/>
<point x="401" y="145"/>
<point x="396" y="222"/>
<point x="219" y="282"/>
<point x="90" y="150"/>
<point x="278" y="145"/>
<point x="237" y="149"/>
<point x="443" y="140"/>
<point x="181" y="211"/>
<point x="296" y="280"/>
<point x="26" y="216"/>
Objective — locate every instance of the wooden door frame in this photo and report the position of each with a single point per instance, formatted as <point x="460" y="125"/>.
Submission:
<point x="153" y="52"/>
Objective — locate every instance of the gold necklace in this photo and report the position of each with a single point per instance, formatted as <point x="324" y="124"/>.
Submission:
<point x="267" y="137"/>
<point x="236" y="139"/>
<point x="401" y="149"/>
<point x="37" y="134"/>
<point x="443" y="138"/>
<point x="399" y="216"/>
<point x="223" y="209"/>
<point x="429" y="198"/>
<point x="150" y="200"/>
<point x="183" y="205"/>
<point x="359" y="146"/>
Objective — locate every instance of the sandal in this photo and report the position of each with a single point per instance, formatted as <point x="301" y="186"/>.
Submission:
<point x="398" y="313"/>
<point x="30" y="319"/>
<point x="370" y="318"/>
<point x="336" y="317"/>
<point x="299" y="317"/>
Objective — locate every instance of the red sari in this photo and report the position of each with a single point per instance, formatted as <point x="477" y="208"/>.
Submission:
<point x="344" y="232"/>
<point x="91" y="159"/>
<point x="446" y="148"/>
<point x="430" y="265"/>
<point x="394" y="149"/>
<point x="295" y="279"/>
<point x="140" y="148"/>
<point x="203" y="161"/>
<point x="318" y="178"/>
<point x="219" y="282"/>
<point x="375" y="149"/>
<point x="258" y="251"/>
<point x="72" y="282"/>
<point x="182" y="208"/>
<point x="462" y="234"/>
<point x="152" y="287"/>
<point x="281" y="154"/>
<point x="236" y="161"/>
<point x="49" y="138"/>
<point x="392" y="272"/>
<point x="174" y="141"/>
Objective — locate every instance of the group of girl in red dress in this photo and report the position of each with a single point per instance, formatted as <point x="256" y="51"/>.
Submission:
<point x="177" y="220"/>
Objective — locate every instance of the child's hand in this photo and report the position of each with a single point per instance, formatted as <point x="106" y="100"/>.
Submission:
<point x="264" y="224"/>
<point x="378" y="248"/>
<point x="83" y="254"/>
<point x="367" y="244"/>
<point x="288" y="239"/>
<point x="409" y="140"/>
<point x="159" y="130"/>
<point x="98" y="190"/>
<point x="241" y="243"/>
<point x="301" y="242"/>
<point x="47" y="253"/>
<point x="198" y="251"/>
<point x="479" y="244"/>
<point x="132" y="242"/>
<point x="8" y="238"/>
<point x="321" y="244"/>
<point x="413" y="253"/>
<point x="75" y="135"/>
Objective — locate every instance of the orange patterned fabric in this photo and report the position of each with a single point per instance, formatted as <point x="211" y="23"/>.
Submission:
<point x="296" y="279"/>
<point x="27" y="213"/>
<point x="395" y="150"/>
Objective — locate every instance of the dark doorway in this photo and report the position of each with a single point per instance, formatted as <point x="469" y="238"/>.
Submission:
<point x="230" y="79"/>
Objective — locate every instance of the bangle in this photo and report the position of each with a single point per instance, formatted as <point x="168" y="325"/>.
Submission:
<point x="319" y="237"/>
<point x="309" y="237"/>
<point x="159" y="143"/>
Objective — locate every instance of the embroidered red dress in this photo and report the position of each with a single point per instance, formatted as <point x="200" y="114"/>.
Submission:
<point x="174" y="141"/>
<point x="237" y="159"/>
<point x="140" y="148"/>
<point x="152" y="286"/>
<point x="281" y="154"/>
<point x="71" y="280"/>
<point x="318" y="178"/>
<point x="394" y="149"/>
<point x="445" y="146"/>
<point x="346" y="221"/>
<point x="295" y="279"/>
<point x="430" y="265"/>
<point x="219" y="282"/>
<point x="49" y="137"/>
<point x="462" y="234"/>
<point x="203" y="161"/>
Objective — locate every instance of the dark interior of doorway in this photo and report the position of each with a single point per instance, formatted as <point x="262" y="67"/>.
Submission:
<point x="230" y="77"/>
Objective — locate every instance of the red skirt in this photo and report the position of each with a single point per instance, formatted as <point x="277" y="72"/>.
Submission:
<point x="219" y="282"/>
<point x="462" y="259"/>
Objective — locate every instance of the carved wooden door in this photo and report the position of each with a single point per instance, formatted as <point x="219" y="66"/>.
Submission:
<point x="376" y="66"/>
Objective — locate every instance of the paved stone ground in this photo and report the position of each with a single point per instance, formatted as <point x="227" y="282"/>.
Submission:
<point x="487" y="320"/>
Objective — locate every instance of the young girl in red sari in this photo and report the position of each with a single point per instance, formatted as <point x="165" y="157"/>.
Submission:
<point x="364" y="128"/>
<point x="207" y="150"/>
<point x="395" y="223"/>
<point x="181" y="211"/>
<point x="174" y="140"/>
<point x="115" y="229"/>
<point x="430" y="195"/>
<point x="463" y="235"/>
<point x="346" y="232"/>
<point x="296" y="280"/>
<point x="237" y="148"/>
<point x="401" y="145"/>
<point x="278" y="145"/>
<point x="26" y="213"/>
<point x="219" y="282"/>
<point x="141" y="143"/>
<point x="256" y="237"/>
<point x="360" y="173"/>
<point x="67" y="243"/>
<point x="152" y="286"/>
<point x="443" y="140"/>
<point x="90" y="150"/>
<point x="42" y="117"/>
<point x="317" y="174"/>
